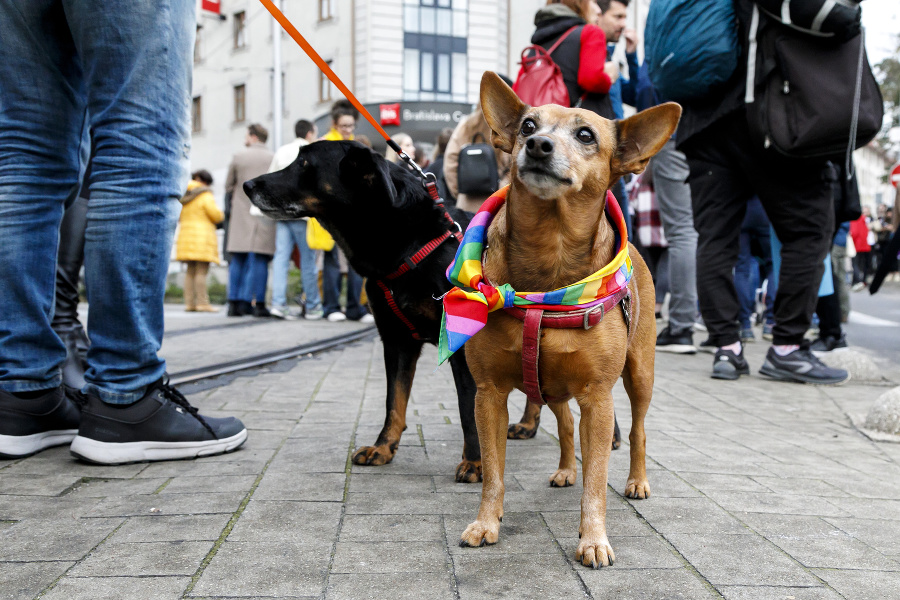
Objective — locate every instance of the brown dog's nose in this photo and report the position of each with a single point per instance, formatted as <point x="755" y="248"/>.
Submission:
<point x="539" y="146"/>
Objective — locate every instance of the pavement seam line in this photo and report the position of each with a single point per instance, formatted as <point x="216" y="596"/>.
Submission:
<point x="54" y="583"/>
<point x="240" y="510"/>
<point x="348" y="467"/>
<point x="572" y="568"/>
<point x="454" y="588"/>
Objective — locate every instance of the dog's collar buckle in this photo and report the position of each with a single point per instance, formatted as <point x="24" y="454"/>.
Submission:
<point x="587" y="315"/>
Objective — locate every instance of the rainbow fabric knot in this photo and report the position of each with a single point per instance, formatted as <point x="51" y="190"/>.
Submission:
<point x="467" y="305"/>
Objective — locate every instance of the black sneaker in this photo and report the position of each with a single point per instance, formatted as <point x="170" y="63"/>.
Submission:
<point x="801" y="366"/>
<point x="728" y="365"/>
<point x="828" y="344"/>
<point x="29" y="426"/>
<point x="160" y="426"/>
<point x="679" y="342"/>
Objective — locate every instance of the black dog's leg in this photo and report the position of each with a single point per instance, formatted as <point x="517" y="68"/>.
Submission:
<point x="617" y="436"/>
<point x="469" y="470"/>
<point x="527" y="426"/>
<point x="400" y="366"/>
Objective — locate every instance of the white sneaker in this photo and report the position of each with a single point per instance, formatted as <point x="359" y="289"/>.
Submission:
<point x="336" y="317"/>
<point x="314" y="315"/>
<point x="367" y="319"/>
<point x="282" y="312"/>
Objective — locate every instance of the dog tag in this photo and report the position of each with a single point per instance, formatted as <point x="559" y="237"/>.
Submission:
<point x="626" y="311"/>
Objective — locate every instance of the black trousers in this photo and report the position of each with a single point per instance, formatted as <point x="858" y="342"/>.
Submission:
<point x="726" y="170"/>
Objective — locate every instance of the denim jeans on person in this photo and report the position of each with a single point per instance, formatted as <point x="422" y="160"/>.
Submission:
<point x="673" y="195"/>
<point x="248" y="277"/>
<point x="287" y="234"/>
<point x="67" y="66"/>
<point x="331" y="288"/>
<point x="750" y="272"/>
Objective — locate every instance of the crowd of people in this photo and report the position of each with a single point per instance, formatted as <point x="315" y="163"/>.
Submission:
<point x="93" y="149"/>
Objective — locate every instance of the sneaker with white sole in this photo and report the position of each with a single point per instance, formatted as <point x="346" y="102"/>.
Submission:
<point x="336" y="317"/>
<point x="728" y="365"/>
<point x="160" y="426"/>
<point x="314" y="315"/>
<point x="801" y="366"/>
<point x="368" y="319"/>
<point x="282" y="312"/>
<point x="28" y="426"/>
<point x="678" y="342"/>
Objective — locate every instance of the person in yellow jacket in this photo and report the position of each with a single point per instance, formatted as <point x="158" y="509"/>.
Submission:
<point x="197" y="244"/>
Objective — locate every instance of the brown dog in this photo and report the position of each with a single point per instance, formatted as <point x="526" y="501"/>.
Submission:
<point x="550" y="233"/>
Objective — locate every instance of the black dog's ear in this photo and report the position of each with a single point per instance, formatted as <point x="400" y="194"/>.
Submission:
<point x="361" y="167"/>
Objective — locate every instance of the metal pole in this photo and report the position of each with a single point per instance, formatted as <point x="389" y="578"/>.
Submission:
<point x="277" y="105"/>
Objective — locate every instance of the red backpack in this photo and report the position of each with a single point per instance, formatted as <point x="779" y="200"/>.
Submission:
<point x="540" y="81"/>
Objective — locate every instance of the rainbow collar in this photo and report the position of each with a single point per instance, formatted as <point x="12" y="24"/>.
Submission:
<point x="466" y="306"/>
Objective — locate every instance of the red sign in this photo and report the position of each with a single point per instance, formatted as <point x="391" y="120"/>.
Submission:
<point x="390" y="114"/>
<point x="895" y="175"/>
<point x="211" y="5"/>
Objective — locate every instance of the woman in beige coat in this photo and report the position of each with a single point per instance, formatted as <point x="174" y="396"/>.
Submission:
<point x="197" y="244"/>
<point x="463" y="135"/>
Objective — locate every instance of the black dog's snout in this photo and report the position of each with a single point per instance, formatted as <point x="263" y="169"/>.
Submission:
<point x="248" y="187"/>
<point x="539" y="146"/>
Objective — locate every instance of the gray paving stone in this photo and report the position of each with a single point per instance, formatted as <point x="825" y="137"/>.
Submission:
<point x="392" y="528"/>
<point x="143" y="559"/>
<point x="639" y="552"/>
<point x="733" y="592"/>
<point x="167" y="504"/>
<point x="861" y="585"/>
<point x="117" y="588"/>
<point x="176" y="528"/>
<point x="59" y="539"/>
<point x="773" y="502"/>
<point x="721" y="482"/>
<point x="687" y="515"/>
<point x="367" y="503"/>
<point x="740" y="560"/>
<point x="875" y="533"/>
<point x="101" y="488"/>
<point x="215" y="484"/>
<point x="481" y="574"/>
<point x="645" y="584"/>
<point x="294" y="522"/>
<point x="407" y="586"/>
<point x="27" y="579"/>
<point x="372" y="482"/>
<point x="37" y="485"/>
<point x="390" y="557"/>
<point x="264" y="569"/>
<point x="286" y="485"/>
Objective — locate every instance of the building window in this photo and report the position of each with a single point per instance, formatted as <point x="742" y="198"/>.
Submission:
<point x="198" y="56"/>
<point x="325" y="85"/>
<point x="240" y="20"/>
<point x="326" y="10"/>
<point x="196" y="115"/>
<point x="435" y="48"/>
<point x="240" y="96"/>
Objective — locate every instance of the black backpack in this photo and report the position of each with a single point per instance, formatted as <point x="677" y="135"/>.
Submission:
<point x="477" y="172"/>
<point x="815" y="94"/>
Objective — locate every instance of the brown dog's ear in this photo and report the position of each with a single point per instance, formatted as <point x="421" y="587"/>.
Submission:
<point x="502" y="110"/>
<point x="643" y="135"/>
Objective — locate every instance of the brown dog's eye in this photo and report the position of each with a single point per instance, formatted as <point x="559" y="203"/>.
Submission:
<point x="528" y="127"/>
<point x="585" y="136"/>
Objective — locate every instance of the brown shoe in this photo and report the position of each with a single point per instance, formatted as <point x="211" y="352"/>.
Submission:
<point x="207" y="308"/>
<point x="190" y="309"/>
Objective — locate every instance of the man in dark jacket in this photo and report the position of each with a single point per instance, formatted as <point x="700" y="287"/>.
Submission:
<point x="726" y="169"/>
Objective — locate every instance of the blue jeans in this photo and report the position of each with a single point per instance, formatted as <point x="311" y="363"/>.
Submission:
<point x="750" y="273"/>
<point x="287" y="234"/>
<point x="331" y="288"/>
<point x="248" y="276"/>
<point x="125" y="75"/>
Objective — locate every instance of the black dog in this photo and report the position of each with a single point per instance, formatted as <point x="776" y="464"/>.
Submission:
<point x="382" y="217"/>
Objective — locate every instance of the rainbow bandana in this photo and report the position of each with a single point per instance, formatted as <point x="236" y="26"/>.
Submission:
<point x="466" y="306"/>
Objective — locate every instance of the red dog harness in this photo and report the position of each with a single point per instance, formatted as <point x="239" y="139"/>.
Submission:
<point x="535" y="318"/>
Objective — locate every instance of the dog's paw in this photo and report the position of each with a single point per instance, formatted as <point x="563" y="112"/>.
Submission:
<point x="639" y="490"/>
<point x="521" y="431"/>
<point x="373" y="455"/>
<point x="480" y="533"/>
<point x="468" y="471"/>
<point x="563" y="478"/>
<point x="595" y="553"/>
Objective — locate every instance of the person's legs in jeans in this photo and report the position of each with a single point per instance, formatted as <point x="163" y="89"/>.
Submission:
<point x="41" y="123"/>
<point x="258" y="270"/>
<point x="281" y="263"/>
<point x="331" y="283"/>
<point x="237" y="276"/>
<point x="308" y="271"/>
<point x="355" y="310"/>
<point x="670" y="172"/>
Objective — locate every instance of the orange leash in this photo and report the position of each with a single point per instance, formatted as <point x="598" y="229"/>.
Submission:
<point x="310" y="51"/>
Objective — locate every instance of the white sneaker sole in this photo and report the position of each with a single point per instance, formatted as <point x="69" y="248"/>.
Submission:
<point x="110" y="453"/>
<point x="20" y="446"/>
<point x="678" y="349"/>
